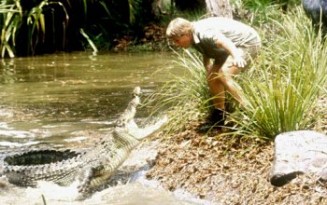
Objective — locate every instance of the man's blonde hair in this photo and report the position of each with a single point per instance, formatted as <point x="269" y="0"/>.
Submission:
<point x="178" y="27"/>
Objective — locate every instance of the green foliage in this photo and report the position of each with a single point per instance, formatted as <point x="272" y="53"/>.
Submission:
<point x="45" y="26"/>
<point x="10" y="20"/>
<point x="133" y="9"/>
<point x="13" y="16"/>
<point x="285" y="81"/>
<point x="36" y="23"/>
<point x="262" y="4"/>
<point x="185" y="98"/>
<point x="260" y="12"/>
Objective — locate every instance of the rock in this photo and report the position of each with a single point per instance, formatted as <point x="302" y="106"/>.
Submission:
<point x="299" y="152"/>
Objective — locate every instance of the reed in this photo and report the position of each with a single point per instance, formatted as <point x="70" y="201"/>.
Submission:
<point x="10" y="20"/>
<point x="185" y="97"/>
<point x="285" y="82"/>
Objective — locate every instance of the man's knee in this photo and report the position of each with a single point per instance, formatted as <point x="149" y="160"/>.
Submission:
<point x="215" y="75"/>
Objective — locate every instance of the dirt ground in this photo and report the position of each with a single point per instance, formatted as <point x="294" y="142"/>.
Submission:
<point x="228" y="170"/>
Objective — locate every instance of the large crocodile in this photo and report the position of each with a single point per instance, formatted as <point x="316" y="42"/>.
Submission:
<point x="91" y="168"/>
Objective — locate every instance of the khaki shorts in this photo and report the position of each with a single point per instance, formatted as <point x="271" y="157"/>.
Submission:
<point x="248" y="53"/>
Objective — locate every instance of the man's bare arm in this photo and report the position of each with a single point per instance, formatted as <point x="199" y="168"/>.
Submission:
<point x="226" y="43"/>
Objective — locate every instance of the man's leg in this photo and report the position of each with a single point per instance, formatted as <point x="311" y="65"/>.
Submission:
<point x="229" y="71"/>
<point x="217" y="90"/>
<point x="216" y="87"/>
<point x="231" y="86"/>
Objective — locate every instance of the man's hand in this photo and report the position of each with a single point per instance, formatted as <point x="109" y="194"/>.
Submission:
<point x="239" y="61"/>
<point x="235" y="52"/>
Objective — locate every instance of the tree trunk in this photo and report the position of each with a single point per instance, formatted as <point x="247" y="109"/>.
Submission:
<point x="219" y="8"/>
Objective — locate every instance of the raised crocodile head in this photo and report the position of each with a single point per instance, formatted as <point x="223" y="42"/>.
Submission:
<point x="126" y="122"/>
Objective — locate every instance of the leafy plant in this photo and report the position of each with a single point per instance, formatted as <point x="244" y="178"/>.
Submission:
<point x="36" y="22"/>
<point x="29" y="25"/>
<point x="12" y="17"/>
<point x="10" y="20"/>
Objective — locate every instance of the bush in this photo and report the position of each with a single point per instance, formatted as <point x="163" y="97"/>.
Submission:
<point x="283" y="85"/>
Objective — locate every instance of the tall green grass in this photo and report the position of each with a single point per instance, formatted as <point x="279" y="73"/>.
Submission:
<point x="284" y="84"/>
<point x="186" y="97"/>
<point x="10" y="20"/>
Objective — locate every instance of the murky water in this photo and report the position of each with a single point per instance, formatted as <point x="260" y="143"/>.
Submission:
<point x="60" y="100"/>
<point x="47" y="97"/>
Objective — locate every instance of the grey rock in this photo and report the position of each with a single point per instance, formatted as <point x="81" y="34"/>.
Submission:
<point x="299" y="152"/>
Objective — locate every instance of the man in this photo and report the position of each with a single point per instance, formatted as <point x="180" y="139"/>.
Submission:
<point x="231" y="44"/>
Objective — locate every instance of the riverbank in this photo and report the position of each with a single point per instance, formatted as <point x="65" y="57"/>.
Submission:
<point x="227" y="170"/>
<point x="185" y="168"/>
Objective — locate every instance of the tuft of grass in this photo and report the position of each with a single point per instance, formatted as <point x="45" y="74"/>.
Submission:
<point x="186" y="97"/>
<point x="10" y="20"/>
<point x="285" y="82"/>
